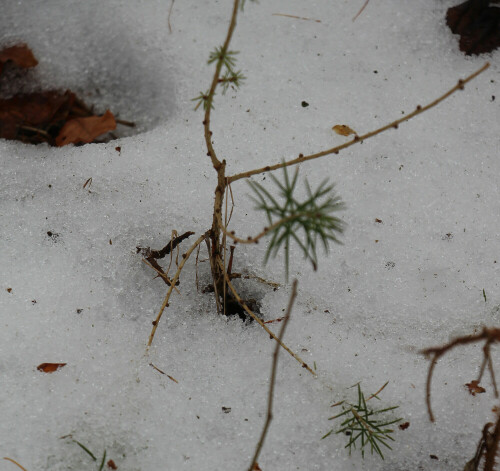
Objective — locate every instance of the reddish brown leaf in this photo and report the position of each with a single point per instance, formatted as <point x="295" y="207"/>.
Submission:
<point x="20" y="55"/>
<point x="478" y="25"/>
<point x="111" y="464"/>
<point x="404" y="425"/>
<point x="474" y="388"/>
<point x="85" y="130"/>
<point x="49" y="367"/>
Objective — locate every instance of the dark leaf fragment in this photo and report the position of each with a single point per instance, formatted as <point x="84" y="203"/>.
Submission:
<point x="474" y="388"/>
<point x="49" y="367"/>
<point x="19" y="54"/>
<point x="478" y="24"/>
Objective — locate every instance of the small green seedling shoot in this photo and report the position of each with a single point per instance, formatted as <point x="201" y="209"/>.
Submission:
<point x="363" y="425"/>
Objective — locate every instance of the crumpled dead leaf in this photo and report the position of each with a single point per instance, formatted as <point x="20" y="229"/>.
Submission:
<point x="85" y="130"/>
<point x="474" y="388"/>
<point x="477" y="23"/>
<point x="343" y="130"/>
<point x="55" y="117"/>
<point x="19" y="54"/>
<point x="34" y="110"/>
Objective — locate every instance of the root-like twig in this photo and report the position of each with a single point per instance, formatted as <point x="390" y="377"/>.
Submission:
<point x="490" y="335"/>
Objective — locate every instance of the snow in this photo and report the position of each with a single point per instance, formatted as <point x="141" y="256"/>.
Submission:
<point x="363" y="316"/>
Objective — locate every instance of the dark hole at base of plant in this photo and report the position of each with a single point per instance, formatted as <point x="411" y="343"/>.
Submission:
<point x="233" y="308"/>
<point x="229" y="306"/>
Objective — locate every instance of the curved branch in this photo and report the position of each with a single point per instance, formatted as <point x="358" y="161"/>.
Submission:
<point x="488" y="334"/>
<point x="335" y="150"/>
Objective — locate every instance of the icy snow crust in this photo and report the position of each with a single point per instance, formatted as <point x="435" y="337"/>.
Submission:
<point x="363" y="316"/>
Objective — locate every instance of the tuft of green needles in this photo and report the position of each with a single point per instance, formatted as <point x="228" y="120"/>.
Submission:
<point x="365" y="426"/>
<point x="304" y="221"/>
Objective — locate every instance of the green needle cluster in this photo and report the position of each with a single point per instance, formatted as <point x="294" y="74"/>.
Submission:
<point x="364" y="426"/>
<point x="229" y="76"/>
<point x="305" y="222"/>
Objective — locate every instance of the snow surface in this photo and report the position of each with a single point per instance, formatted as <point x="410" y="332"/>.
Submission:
<point x="363" y="316"/>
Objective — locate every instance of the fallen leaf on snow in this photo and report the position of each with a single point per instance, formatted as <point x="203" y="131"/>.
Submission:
<point x="343" y="130"/>
<point x="85" y="130"/>
<point x="49" y="367"/>
<point x="474" y="388"/>
<point x="33" y="112"/>
<point x="20" y="55"/>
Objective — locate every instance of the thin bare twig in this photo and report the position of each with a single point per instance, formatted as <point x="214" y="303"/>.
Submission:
<point x="261" y="323"/>
<point x="254" y="240"/>
<point x="335" y="150"/>
<point x="473" y="464"/>
<point x="378" y="392"/>
<point x="489" y="334"/>
<point x="361" y="10"/>
<point x="161" y="274"/>
<point x="15" y="462"/>
<point x="492" y="447"/>
<point x="169" y="13"/>
<point x="172" y="285"/>
<point x="273" y="378"/>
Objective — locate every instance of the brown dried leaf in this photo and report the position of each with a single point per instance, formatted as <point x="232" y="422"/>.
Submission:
<point x="20" y="54"/>
<point x="49" y="367"/>
<point x="343" y="130"/>
<point x="474" y="388"/>
<point x="85" y="130"/>
<point x="404" y="425"/>
<point x="111" y="464"/>
<point x="33" y="110"/>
